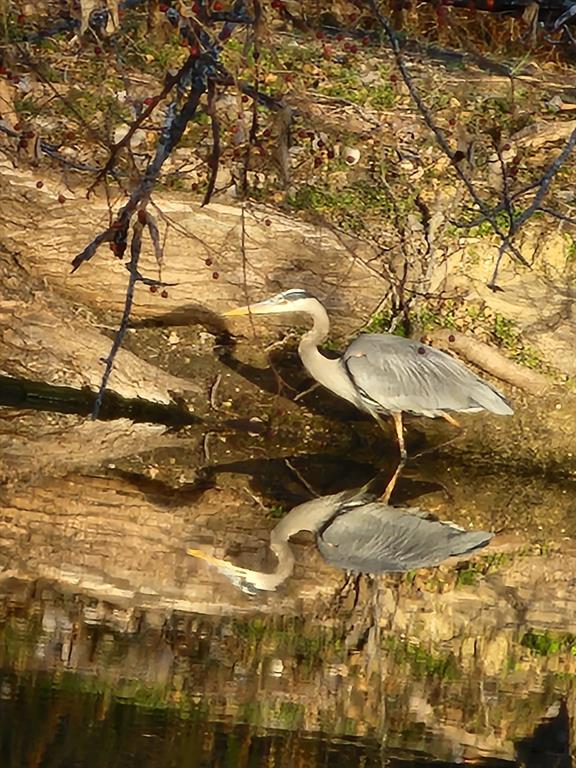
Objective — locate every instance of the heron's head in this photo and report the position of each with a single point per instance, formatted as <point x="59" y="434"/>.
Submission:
<point x="249" y="582"/>
<point x="294" y="300"/>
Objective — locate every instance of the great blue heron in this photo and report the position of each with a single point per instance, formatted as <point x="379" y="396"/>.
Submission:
<point x="385" y="374"/>
<point x="354" y="532"/>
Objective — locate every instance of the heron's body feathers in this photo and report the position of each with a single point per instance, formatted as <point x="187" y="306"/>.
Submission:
<point x="391" y="373"/>
<point x="376" y="538"/>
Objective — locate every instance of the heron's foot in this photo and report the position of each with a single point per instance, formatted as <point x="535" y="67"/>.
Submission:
<point x="347" y="595"/>
<point x="444" y="443"/>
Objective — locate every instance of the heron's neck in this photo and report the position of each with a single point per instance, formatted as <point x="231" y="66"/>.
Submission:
<point x="285" y="557"/>
<point x="326" y="371"/>
<point x="315" y="362"/>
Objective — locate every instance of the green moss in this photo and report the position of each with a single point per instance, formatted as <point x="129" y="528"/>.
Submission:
<point x="506" y="333"/>
<point x="26" y="107"/>
<point x="383" y="322"/>
<point x="276" y="511"/>
<point x="350" y="207"/>
<point x="421" y="662"/>
<point x="467" y="576"/>
<point x="549" y="644"/>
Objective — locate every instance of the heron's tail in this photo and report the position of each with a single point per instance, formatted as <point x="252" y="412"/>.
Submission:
<point x="469" y="541"/>
<point x="491" y="399"/>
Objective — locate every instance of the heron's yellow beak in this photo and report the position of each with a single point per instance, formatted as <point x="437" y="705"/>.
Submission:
<point x="238" y="312"/>
<point x="266" y="307"/>
<point x="203" y="556"/>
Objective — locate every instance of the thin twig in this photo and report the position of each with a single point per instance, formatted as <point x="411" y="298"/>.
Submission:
<point x="135" y="250"/>
<point x="439" y="135"/>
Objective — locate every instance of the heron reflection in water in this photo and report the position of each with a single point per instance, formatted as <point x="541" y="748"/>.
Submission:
<point x="356" y="532"/>
<point x="385" y="374"/>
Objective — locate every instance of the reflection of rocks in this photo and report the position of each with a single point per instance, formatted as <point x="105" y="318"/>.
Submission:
<point x="457" y="698"/>
<point x="549" y="745"/>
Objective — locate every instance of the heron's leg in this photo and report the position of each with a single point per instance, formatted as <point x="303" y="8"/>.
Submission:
<point x="397" y="415"/>
<point x="392" y="483"/>
<point x="451" y="420"/>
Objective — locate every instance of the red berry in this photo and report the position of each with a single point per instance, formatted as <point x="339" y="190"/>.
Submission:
<point x="353" y="49"/>
<point x="451" y="338"/>
<point x="506" y="147"/>
<point x="22" y="144"/>
<point x="215" y="275"/>
<point x="61" y="199"/>
<point x="330" y="154"/>
<point x="245" y="99"/>
<point x="208" y="262"/>
<point x="319" y="35"/>
<point x="366" y="40"/>
<point x="39" y="184"/>
<point x="302" y="134"/>
<point x="340" y="38"/>
<point x="317" y="162"/>
<point x="153" y="288"/>
<point x="149" y="100"/>
<point x="217" y="6"/>
<point x="97" y="50"/>
<point x="164" y="294"/>
<point x="194" y="50"/>
<point x="393" y="78"/>
<point x="267" y="222"/>
<point x="163" y="7"/>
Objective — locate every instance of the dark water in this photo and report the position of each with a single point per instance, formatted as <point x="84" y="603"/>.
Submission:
<point x="101" y="666"/>
<point x="76" y="692"/>
<point x="44" y="724"/>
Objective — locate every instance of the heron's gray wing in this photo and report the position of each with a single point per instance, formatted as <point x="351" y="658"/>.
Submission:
<point x="376" y="538"/>
<point x="396" y="374"/>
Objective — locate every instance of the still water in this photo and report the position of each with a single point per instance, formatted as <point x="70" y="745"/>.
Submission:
<point x="118" y="649"/>
<point x="85" y="684"/>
